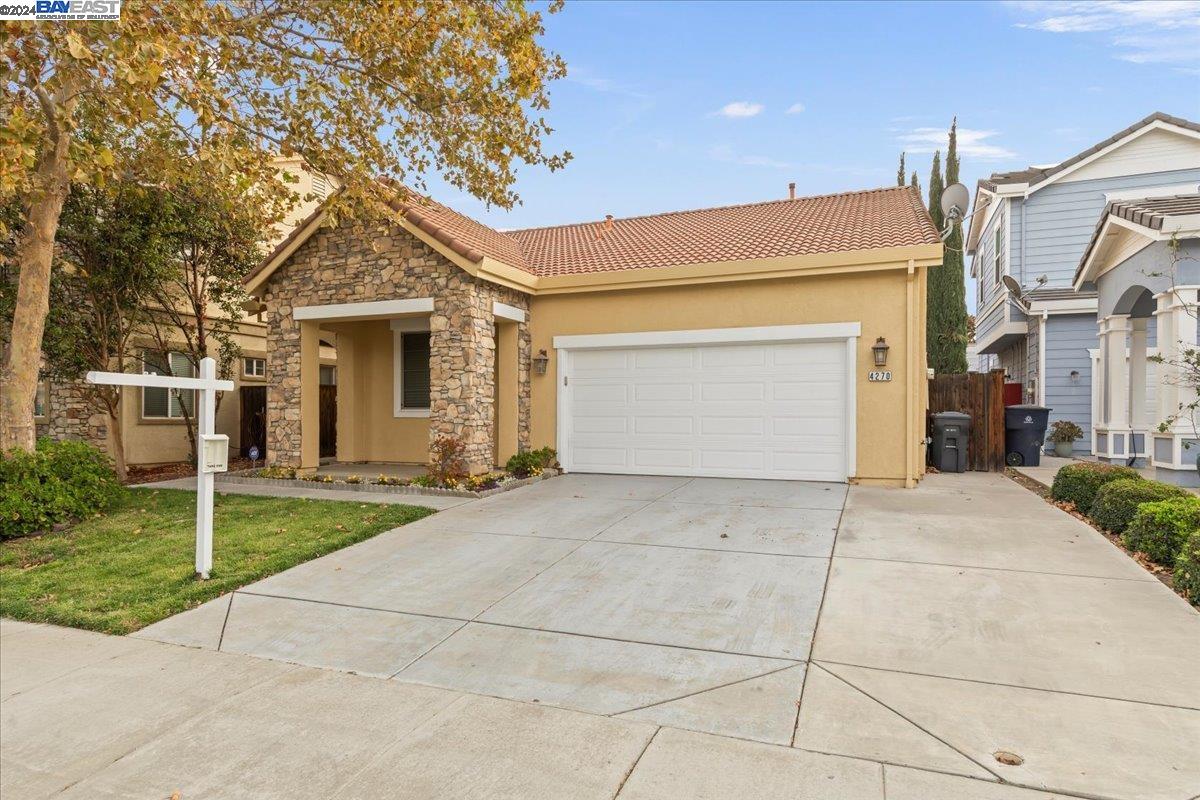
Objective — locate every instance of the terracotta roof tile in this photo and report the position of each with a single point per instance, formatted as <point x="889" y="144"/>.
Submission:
<point x="876" y="218"/>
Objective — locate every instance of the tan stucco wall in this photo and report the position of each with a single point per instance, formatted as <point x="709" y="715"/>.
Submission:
<point x="368" y="429"/>
<point x="890" y="415"/>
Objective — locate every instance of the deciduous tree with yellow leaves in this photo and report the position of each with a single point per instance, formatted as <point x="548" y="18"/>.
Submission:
<point x="397" y="88"/>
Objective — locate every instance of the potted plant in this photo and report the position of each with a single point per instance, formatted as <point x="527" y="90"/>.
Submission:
<point x="1064" y="434"/>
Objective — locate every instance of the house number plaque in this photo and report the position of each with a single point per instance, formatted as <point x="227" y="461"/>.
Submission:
<point x="878" y="376"/>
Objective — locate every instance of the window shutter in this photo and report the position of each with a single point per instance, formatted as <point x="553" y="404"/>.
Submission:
<point x="415" y="354"/>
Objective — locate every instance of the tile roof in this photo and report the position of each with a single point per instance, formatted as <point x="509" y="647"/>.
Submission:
<point x="874" y="218"/>
<point x="1039" y="174"/>
<point x="889" y="217"/>
<point x="1149" y="213"/>
<point x="470" y="239"/>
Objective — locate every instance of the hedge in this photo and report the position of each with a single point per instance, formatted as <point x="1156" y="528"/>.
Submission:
<point x="1078" y="483"/>
<point x="1158" y="529"/>
<point x="1117" y="501"/>
<point x="1187" y="568"/>
<point x="58" y="482"/>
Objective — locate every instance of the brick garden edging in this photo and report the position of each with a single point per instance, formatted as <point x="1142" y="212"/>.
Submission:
<point x="341" y="486"/>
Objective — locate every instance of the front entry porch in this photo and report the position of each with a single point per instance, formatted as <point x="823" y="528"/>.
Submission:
<point x="410" y="371"/>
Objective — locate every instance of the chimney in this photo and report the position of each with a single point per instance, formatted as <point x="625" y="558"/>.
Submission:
<point x="608" y="222"/>
<point x="792" y="191"/>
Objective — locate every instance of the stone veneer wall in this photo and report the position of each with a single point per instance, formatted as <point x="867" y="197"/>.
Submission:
<point x="70" y="416"/>
<point x="355" y="263"/>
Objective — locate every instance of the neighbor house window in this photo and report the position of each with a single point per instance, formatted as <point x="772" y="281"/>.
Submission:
<point x="999" y="254"/>
<point x="412" y="373"/>
<point x="41" y="400"/>
<point x="328" y="375"/>
<point x="254" y="367"/>
<point x="162" y="403"/>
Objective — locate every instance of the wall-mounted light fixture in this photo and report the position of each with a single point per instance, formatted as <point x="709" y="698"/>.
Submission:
<point x="1074" y="376"/>
<point x="540" y="362"/>
<point x="880" y="351"/>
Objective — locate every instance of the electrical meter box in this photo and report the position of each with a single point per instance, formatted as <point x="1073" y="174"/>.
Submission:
<point x="215" y="452"/>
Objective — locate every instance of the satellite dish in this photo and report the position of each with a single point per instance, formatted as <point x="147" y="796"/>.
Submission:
<point x="955" y="201"/>
<point x="1011" y="284"/>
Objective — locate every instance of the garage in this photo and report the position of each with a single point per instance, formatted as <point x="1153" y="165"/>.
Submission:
<point x="775" y="403"/>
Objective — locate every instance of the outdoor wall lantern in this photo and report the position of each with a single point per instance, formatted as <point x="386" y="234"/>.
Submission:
<point x="880" y="351"/>
<point x="540" y="362"/>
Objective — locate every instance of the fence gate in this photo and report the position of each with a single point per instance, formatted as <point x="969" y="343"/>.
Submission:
<point x="980" y="394"/>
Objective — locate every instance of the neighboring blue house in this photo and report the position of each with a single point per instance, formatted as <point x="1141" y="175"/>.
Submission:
<point x="1034" y="224"/>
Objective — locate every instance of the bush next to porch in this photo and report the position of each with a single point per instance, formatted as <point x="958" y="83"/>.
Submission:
<point x="1159" y="529"/>
<point x="1118" y="501"/>
<point x="1078" y="483"/>
<point x="56" y="483"/>
<point x="1187" y="568"/>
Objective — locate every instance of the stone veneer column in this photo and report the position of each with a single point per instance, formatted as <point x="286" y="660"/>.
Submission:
<point x="283" y="388"/>
<point x="462" y="351"/>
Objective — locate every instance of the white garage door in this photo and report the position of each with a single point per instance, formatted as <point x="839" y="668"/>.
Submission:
<point x="760" y="410"/>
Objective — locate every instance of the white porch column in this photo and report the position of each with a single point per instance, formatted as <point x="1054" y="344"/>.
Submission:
<point x="1137" y="376"/>
<point x="1167" y="399"/>
<point x="1113" y="332"/>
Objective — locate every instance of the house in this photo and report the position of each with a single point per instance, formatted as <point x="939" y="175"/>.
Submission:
<point x="152" y="424"/>
<point x="1143" y="264"/>
<point x="734" y="341"/>
<point x="1035" y="223"/>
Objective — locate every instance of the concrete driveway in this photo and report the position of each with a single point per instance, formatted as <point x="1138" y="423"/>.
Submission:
<point x="928" y="630"/>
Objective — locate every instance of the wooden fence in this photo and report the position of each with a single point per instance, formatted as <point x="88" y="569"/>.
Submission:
<point x="980" y="394"/>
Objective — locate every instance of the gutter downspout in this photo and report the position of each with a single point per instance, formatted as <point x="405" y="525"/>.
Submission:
<point x="1042" y="358"/>
<point x="910" y="368"/>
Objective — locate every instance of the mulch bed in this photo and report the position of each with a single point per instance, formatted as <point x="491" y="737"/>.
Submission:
<point x="1157" y="570"/>
<point x="181" y="469"/>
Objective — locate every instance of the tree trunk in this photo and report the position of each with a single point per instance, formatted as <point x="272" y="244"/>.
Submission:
<point x="34" y="255"/>
<point x="118" y="443"/>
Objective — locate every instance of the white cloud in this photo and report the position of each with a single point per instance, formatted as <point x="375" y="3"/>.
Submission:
<point x="1141" y="31"/>
<point x="971" y="143"/>
<point x="727" y="154"/>
<point x="795" y="108"/>
<point x="740" y="109"/>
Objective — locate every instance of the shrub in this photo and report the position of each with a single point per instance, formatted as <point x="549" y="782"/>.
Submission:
<point x="1117" y="501"/>
<point x="1187" y="568"/>
<point x="1158" y="529"/>
<point x="481" y="483"/>
<point x="285" y="473"/>
<point x="447" y="467"/>
<point x="1063" y="430"/>
<point x="1078" y="483"/>
<point x="58" y="482"/>
<point x="531" y="462"/>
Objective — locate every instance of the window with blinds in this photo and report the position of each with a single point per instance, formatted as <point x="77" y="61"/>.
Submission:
<point x="161" y="403"/>
<point x="414" y="368"/>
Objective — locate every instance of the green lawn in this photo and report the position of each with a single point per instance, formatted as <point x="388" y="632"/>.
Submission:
<point x="134" y="565"/>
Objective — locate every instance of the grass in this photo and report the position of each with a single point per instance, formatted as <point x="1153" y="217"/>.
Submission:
<point x="133" y="565"/>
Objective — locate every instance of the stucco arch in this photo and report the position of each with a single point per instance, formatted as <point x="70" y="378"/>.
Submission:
<point x="1136" y="301"/>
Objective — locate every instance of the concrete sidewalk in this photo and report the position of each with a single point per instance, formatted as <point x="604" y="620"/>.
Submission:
<point x="92" y="716"/>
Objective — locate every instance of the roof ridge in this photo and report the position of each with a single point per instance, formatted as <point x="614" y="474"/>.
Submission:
<point x="711" y="208"/>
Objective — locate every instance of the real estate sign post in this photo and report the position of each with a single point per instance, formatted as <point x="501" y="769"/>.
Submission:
<point x="212" y="449"/>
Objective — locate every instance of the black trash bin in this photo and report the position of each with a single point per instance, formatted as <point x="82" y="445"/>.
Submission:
<point x="951" y="433"/>
<point x="1024" y="432"/>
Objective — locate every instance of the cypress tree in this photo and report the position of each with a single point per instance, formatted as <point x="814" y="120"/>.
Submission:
<point x="946" y="312"/>
<point x="900" y="172"/>
<point x="916" y="182"/>
<point x="954" y="344"/>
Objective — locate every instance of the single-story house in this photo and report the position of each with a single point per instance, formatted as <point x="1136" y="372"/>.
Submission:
<point x="1143" y="261"/>
<point x="737" y="341"/>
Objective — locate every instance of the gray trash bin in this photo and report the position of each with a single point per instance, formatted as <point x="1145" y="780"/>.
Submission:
<point x="951" y="432"/>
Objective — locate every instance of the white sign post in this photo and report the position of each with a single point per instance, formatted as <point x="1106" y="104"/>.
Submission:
<point x="212" y="449"/>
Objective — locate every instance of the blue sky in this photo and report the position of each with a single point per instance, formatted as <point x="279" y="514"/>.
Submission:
<point x="682" y="105"/>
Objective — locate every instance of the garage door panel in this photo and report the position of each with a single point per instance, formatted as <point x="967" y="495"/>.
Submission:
<point x="760" y="410"/>
<point x="657" y="392"/>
